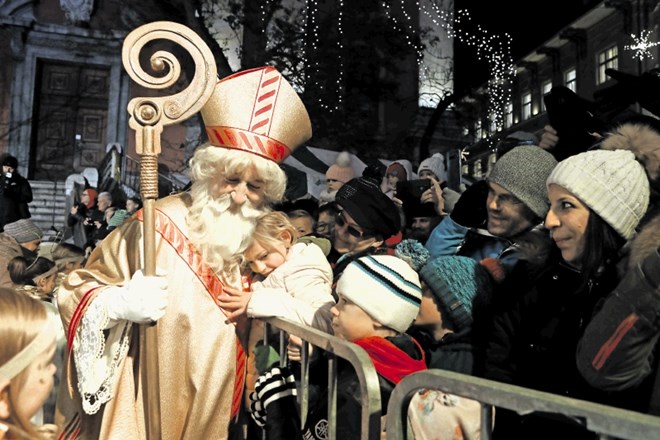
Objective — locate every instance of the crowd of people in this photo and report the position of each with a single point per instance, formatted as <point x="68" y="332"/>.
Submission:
<point x="544" y="274"/>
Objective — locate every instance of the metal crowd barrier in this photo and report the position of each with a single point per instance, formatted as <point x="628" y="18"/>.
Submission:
<point x="335" y="347"/>
<point x="606" y="421"/>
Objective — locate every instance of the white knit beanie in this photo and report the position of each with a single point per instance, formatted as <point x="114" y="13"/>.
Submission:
<point x="612" y="183"/>
<point x="385" y="287"/>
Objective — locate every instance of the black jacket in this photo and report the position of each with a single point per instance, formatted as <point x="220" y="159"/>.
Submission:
<point x="15" y="194"/>
<point x="619" y="348"/>
<point x="533" y="342"/>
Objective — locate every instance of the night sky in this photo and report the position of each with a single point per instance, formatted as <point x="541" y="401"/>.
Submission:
<point x="529" y="26"/>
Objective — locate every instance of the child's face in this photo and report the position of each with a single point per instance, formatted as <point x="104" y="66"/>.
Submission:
<point x="303" y="225"/>
<point x="48" y="284"/>
<point x="350" y="322"/>
<point x="39" y="383"/>
<point x="428" y="310"/>
<point x="263" y="261"/>
<point x="131" y="205"/>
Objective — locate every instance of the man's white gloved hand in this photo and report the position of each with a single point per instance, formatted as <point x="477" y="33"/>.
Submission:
<point x="142" y="300"/>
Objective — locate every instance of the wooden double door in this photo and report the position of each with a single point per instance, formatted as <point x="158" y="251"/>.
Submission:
<point x="70" y="119"/>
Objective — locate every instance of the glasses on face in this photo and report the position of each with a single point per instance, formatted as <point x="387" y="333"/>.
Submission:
<point x="352" y="230"/>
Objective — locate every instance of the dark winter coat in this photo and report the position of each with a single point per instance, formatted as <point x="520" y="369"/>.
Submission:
<point x="619" y="348"/>
<point x="533" y="341"/>
<point x="349" y="410"/>
<point x="454" y="352"/>
<point x="15" y="194"/>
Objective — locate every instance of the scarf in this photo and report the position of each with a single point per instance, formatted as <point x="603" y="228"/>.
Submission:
<point x="389" y="360"/>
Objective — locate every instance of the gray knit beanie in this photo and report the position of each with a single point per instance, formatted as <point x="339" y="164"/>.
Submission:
<point x="436" y="165"/>
<point x="612" y="183"/>
<point x="24" y="230"/>
<point x="523" y="171"/>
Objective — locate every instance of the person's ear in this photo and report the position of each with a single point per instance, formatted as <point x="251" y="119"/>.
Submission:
<point x="377" y="243"/>
<point x="5" y="406"/>
<point x="287" y="237"/>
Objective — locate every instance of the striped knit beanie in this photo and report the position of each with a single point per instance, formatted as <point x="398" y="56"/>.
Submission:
<point x="612" y="183"/>
<point x="385" y="287"/>
<point x="24" y="230"/>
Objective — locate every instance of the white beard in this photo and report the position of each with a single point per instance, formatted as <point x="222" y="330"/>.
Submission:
<point x="327" y="196"/>
<point x="221" y="232"/>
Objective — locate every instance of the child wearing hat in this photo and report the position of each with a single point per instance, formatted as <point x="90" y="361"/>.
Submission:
<point x="379" y="297"/>
<point x="597" y="199"/>
<point x="456" y="291"/>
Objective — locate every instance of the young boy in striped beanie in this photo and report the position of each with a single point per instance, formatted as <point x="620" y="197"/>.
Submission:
<point x="379" y="298"/>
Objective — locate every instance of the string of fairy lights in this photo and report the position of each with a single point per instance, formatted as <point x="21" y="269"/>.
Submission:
<point x="492" y="48"/>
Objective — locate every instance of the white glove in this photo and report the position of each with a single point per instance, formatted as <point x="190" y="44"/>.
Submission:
<point x="142" y="300"/>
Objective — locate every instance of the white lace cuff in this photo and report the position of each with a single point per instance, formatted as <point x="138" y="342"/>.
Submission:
<point x="98" y="356"/>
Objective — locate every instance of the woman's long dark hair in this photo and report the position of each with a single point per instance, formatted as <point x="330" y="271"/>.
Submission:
<point x="602" y="247"/>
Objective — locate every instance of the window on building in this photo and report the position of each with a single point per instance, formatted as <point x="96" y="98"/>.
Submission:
<point x="570" y="79"/>
<point x="545" y="89"/>
<point x="526" y="106"/>
<point x="508" y="117"/>
<point x="607" y="59"/>
<point x="494" y="127"/>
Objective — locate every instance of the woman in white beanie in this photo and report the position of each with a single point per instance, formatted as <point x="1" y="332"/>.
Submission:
<point x="597" y="199"/>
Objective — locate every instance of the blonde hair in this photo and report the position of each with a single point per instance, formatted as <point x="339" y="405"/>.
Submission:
<point x="22" y="318"/>
<point x="269" y="228"/>
<point x="209" y="161"/>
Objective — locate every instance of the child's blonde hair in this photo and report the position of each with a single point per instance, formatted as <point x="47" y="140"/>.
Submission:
<point x="269" y="228"/>
<point x="22" y="321"/>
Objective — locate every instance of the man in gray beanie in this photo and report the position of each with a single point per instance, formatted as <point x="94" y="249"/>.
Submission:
<point x="493" y="216"/>
<point x="20" y="238"/>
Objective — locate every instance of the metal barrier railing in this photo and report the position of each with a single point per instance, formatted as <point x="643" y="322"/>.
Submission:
<point x="607" y="421"/>
<point x="335" y="347"/>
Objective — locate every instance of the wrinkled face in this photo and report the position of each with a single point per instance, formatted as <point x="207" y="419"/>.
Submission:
<point x="507" y="215"/>
<point x="39" y="383"/>
<point x="325" y="226"/>
<point x="349" y="236"/>
<point x="333" y="185"/>
<point x="567" y="220"/>
<point x="350" y="322"/>
<point x="246" y="186"/>
<point x="263" y="261"/>
<point x="103" y="203"/>
<point x="303" y="225"/>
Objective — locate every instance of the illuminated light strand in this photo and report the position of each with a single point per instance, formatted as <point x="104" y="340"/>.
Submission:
<point x="642" y="45"/>
<point x="494" y="49"/>
<point x="490" y="48"/>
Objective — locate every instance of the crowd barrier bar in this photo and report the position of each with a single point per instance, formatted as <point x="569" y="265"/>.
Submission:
<point x="364" y="368"/>
<point x="606" y="421"/>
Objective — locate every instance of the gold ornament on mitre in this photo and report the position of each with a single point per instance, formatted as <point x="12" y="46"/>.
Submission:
<point x="257" y="111"/>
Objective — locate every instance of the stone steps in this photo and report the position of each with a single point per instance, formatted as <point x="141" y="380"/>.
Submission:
<point x="48" y="207"/>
